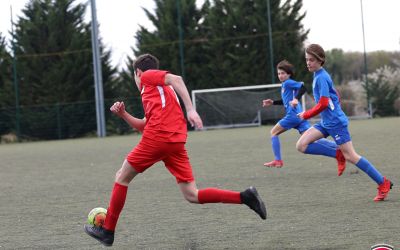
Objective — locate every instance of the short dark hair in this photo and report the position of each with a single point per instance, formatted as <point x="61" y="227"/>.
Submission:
<point x="286" y="66"/>
<point x="145" y="62"/>
<point x="317" y="51"/>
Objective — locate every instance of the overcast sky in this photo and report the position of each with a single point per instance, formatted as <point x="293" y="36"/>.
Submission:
<point x="332" y="23"/>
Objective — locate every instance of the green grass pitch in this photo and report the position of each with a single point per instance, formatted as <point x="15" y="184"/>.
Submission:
<point x="48" y="188"/>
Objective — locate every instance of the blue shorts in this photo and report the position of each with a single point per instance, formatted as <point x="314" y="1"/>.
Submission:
<point x="289" y="122"/>
<point x="341" y="135"/>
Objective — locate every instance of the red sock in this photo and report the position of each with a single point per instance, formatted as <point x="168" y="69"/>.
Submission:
<point x="214" y="195"/>
<point x="117" y="201"/>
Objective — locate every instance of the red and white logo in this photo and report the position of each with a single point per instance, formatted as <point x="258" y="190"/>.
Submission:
<point x="382" y="247"/>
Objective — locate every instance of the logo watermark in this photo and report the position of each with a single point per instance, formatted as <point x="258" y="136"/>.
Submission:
<point x="382" y="246"/>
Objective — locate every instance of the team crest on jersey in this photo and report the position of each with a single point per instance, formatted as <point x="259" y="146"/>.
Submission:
<point x="382" y="247"/>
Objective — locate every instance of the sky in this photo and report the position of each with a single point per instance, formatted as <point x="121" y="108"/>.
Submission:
<point x="332" y="23"/>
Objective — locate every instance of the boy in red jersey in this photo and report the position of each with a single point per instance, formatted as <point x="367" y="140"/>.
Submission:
<point x="164" y="137"/>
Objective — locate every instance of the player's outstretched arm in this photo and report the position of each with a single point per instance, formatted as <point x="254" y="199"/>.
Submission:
<point x="267" y="102"/>
<point x="179" y="86"/>
<point x="118" y="108"/>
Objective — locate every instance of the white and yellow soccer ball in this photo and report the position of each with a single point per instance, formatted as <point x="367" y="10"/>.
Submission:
<point x="97" y="216"/>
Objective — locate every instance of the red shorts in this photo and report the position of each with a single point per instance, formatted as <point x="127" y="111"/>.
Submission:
<point x="173" y="154"/>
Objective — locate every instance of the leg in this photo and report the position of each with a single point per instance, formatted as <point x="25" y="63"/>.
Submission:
<point x="208" y="195"/>
<point x="362" y="163"/>
<point x="308" y="138"/>
<point x="189" y="191"/>
<point x="118" y="196"/>
<point x="384" y="184"/>
<point x="327" y="143"/>
<point x="143" y="156"/>
<point x="177" y="162"/>
<point x="340" y="136"/>
<point x="313" y="142"/>
<point x="178" y="165"/>
<point x="105" y="234"/>
<point x="330" y="145"/>
<point x="249" y="197"/>
<point x="276" y="147"/>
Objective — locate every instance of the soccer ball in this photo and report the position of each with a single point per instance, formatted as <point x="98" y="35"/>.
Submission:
<point x="97" y="216"/>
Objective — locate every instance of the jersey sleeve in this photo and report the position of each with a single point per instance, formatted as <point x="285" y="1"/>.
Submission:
<point x="293" y="84"/>
<point x="323" y="87"/>
<point x="153" y="77"/>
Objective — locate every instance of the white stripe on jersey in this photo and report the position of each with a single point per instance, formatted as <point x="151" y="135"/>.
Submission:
<point x="331" y="106"/>
<point x="177" y="99"/>
<point x="161" y="90"/>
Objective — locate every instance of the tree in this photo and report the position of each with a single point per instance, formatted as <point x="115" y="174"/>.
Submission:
<point x="226" y="42"/>
<point x="6" y="89"/>
<point x="53" y="49"/>
<point x="335" y="63"/>
<point x="164" y="41"/>
<point x="384" y="89"/>
<point x="238" y="49"/>
<point x="127" y="91"/>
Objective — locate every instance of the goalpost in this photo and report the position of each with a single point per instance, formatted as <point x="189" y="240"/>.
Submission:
<point x="237" y="106"/>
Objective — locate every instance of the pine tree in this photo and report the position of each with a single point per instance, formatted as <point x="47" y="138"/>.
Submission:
<point x="55" y="65"/>
<point x="226" y="42"/>
<point x="239" y="40"/>
<point x="7" y="110"/>
<point x="6" y="88"/>
<point x="164" y="41"/>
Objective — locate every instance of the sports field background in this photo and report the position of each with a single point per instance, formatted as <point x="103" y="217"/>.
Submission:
<point x="48" y="188"/>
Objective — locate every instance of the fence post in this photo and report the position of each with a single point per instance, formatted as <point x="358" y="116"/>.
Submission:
<point x="59" y="129"/>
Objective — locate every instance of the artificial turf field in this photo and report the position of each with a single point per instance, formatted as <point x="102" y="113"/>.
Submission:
<point x="48" y="188"/>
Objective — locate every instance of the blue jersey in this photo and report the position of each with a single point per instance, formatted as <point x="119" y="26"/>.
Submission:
<point x="290" y="88"/>
<point x="333" y="116"/>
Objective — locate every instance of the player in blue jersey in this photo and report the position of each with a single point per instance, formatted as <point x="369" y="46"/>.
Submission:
<point x="291" y="92"/>
<point x="333" y="121"/>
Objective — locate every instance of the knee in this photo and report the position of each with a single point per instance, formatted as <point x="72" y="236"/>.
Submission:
<point x="301" y="147"/>
<point x="191" y="197"/>
<point x="124" y="176"/>
<point x="352" y="157"/>
<point x="118" y="175"/>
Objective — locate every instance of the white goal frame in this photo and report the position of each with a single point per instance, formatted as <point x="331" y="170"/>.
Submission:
<point x="252" y="87"/>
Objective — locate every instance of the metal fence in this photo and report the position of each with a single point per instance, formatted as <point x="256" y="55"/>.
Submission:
<point x="62" y="120"/>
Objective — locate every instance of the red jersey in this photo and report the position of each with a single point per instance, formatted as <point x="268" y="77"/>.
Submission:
<point x="164" y="117"/>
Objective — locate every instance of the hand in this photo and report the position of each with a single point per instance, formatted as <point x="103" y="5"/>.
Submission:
<point x="294" y="102"/>
<point x="194" y="119"/>
<point x="118" y="108"/>
<point x="301" y="115"/>
<point x="268" y="102"/>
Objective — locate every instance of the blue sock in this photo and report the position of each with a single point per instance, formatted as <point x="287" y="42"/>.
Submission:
<point x="317" y="148"/>
<point x="370" y="170"/>
<point x="276" y="147"/>
<point x="327" y="143"/>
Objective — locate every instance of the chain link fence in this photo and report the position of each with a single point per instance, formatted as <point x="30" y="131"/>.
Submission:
<point x="62" y="120"/>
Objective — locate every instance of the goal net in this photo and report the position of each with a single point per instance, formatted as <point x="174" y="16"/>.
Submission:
<point x="237" y="106"/>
